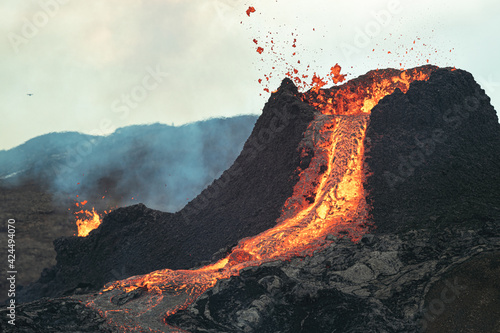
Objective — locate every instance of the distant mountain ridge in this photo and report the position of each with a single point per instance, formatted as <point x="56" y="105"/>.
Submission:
<point x="160" y="165"/>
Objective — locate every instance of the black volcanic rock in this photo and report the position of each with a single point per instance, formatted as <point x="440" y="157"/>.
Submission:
<point x="377" y="287"/>
<point x="435" y="155"/>
<point x="246" y="200"/>
<point x="63" y="315"/>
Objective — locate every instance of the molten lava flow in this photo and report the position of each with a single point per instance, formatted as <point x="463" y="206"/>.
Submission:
<point x="329" y="197"/>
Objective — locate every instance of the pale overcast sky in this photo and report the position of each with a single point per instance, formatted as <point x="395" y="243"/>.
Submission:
<point x="94" y="66"/>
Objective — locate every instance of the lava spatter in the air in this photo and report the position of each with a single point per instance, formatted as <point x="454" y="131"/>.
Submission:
<point x="419" y="50"/>
<point x="250" y="10"/>
<point x="329" y="197"/>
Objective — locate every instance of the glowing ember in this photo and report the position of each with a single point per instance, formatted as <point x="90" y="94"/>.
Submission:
<point x="88" y="222"/>
<point x="250" y="10"/>
<point x="260" y="50"/>
<point x="317" y="83"/>
<point x="329" y="197"/>
<point x="335" y="74"/>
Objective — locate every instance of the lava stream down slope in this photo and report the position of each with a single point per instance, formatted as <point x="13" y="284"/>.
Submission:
<point x="328" y="199"/>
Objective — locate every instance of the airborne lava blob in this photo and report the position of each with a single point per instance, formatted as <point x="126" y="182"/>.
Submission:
<point x="328" y="199"/>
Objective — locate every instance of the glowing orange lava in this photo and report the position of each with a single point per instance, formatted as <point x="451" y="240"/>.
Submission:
<point x="88" y="222"/>
<point x="329" y="197"/>
<point x="250" y="10"/>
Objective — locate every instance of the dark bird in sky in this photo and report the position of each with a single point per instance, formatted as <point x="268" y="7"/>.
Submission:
<point x="29" y="94"/>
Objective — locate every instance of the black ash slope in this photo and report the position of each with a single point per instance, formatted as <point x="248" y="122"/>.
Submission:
<point x="435" y="155"/>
